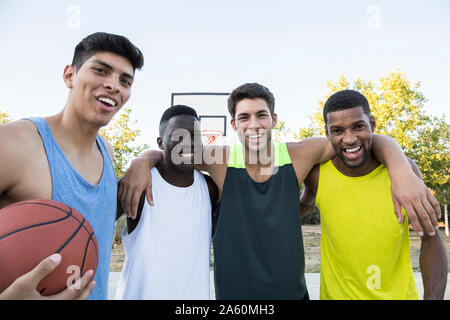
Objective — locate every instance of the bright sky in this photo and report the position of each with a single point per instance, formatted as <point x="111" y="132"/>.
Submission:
<point x="292" y="47"/>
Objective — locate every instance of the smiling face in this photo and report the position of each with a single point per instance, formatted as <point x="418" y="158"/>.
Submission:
<point x="350" y="133"/>
<point x="253" y="123"/>
<point x="100" y="87"/>
<point x="181" y="141"/>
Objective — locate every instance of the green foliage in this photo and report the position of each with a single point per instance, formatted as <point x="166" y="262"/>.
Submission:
<point x="121" y="136"/>
<point x="4" y="117"/>
<point x="279" y="131"/>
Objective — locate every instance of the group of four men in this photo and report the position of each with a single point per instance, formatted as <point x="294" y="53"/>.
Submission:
<point x="249" y="199"/>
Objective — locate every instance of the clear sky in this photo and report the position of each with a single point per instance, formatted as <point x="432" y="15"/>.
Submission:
<point x="292" y="47"/>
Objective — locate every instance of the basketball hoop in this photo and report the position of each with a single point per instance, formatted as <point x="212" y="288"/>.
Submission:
<point x="210" y="136"/>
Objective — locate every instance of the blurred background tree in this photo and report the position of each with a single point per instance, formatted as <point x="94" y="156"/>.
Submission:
<point x="4" y="117"/>
<point x="121" y="136"/>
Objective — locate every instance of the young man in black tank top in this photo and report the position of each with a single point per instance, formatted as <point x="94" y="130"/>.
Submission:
<point x="252" y="109"/>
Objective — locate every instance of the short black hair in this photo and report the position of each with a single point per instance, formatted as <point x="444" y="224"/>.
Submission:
<point x="251" y="91"/>
<point x="173" y="111"/>
<point x="345" y="99"/>
<point x="107" y="42"/>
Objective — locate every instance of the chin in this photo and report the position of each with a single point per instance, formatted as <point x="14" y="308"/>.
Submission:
<point x="354" y="164"/>
<point x="185" y="167"/>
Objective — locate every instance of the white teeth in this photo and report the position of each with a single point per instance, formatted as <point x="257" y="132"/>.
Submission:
<point x="255" y="136"/>
<point x="353" y="149"/>
<point x="107" y="100"/>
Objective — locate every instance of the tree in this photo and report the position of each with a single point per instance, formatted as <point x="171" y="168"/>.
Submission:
<point x="398" y="107"/>
<point x="279" y="131"/>
<point x="121" y="136"/>
<point x="4" y="117"/>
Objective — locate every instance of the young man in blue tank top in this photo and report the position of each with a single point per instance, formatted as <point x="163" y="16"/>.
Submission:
<point x="166" y="240"/>
<point x="63" y="158"/>
<point x="260" y="235"/>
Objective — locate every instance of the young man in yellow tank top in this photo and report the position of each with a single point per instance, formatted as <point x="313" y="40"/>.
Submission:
<point x="364" y="250"/>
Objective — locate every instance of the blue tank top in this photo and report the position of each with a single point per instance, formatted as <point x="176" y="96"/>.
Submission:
<point x="97" y="203"/>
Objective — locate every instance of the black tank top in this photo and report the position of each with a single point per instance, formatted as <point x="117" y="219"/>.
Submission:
<point x="258" y="246"/>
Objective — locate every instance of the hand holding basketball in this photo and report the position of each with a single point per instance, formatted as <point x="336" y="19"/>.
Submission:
<point x="24" y="288"/>
<point x="32" y="230"/>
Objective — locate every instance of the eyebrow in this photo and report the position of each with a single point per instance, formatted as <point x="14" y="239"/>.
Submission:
<point x="258" y="112"/>
<point x="106" y="65"/>
<point x="353" y="124"/>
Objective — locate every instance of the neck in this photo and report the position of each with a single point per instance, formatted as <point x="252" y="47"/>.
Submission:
<point x="69" y="129"/>
<point x="369" y="165"/>
<point x="259" y="158"/>
<point x="173" y="175"/>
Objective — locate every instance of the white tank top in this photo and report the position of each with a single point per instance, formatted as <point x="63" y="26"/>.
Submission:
<point x="167" y="254"/>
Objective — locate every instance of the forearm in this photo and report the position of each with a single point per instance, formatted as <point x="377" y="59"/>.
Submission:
<point x="151" y="158"/>
<point x="433" y="265"/>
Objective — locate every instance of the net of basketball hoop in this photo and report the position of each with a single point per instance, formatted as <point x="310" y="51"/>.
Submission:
<point x="211" y="136"/>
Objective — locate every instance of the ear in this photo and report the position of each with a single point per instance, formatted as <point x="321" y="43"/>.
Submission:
<point x="326" y="131"/>
<point x="69" y="73"/>
<point x="373" y="123"/>
<point x="160" y="143"/>
<point x="233" y="124"/>
<point x="274" y="119"/>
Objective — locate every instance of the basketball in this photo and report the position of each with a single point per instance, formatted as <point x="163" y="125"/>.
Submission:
<point x="30" y="231"/>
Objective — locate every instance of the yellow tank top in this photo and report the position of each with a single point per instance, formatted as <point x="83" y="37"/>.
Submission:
<point x="364" y="250"/>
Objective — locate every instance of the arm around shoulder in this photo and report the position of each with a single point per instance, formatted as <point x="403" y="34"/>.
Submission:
<point x="408" y="190"/>
<point x="138" y="180"/>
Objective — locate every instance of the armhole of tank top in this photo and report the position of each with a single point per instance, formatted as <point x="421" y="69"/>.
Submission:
<point x="318" y="193"/>
<point x="282" y="157"/>
<point x="141" y="207"/>
<point x="44" y="145"/>
<point x="236" y="157"/>
<point x="103" y="149"/>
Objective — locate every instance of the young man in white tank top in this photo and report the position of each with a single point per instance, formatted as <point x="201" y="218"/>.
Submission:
<point x="168" y="245"/>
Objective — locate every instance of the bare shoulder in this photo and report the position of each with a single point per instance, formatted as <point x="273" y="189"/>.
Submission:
<point x="23" y="164"/>
<point x="18" y="138"/>
<point x="307" y="153"/>
<point x="308" y="147"/>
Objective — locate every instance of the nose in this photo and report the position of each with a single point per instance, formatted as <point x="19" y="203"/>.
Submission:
<point x="112" y="83"/>
<point x="349" y="138"/>
<point x="254" y="123"/>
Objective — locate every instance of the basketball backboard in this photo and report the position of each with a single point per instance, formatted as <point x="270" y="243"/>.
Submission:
<point x="212" y="110"/>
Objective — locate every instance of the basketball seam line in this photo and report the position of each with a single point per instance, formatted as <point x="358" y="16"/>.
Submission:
<point x="68" y="213"/>
<point x="33" y="226"/>
<point x="41" y="204"/>
<point x="72" y="236"/>
<point x="85" y="251"/>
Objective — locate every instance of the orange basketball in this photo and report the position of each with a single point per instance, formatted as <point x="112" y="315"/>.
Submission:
<point x="33" y="230"/>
